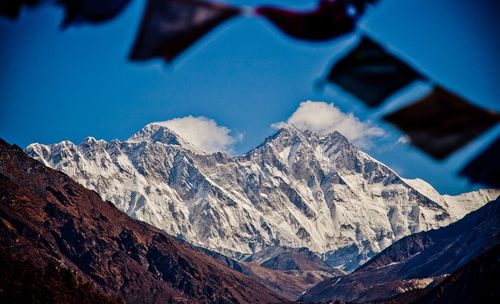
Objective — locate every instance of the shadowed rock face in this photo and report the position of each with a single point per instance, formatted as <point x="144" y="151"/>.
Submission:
<point x="46" y="217"/>
<point x="417" y="261"/>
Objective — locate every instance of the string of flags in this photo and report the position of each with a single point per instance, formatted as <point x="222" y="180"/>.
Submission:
<point x="170" y="26"/>
<point x="438" y="124"/>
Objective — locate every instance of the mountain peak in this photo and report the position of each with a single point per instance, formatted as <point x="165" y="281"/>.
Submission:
<point x="335" y="135"/>
<point x="334" y="138"/>
<point x="289" y="134"/>
<point x="157" y="133"/>
<point x="289" y="127"/>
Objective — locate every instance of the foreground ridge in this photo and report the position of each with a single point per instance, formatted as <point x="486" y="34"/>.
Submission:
<point x="47" y="218"/>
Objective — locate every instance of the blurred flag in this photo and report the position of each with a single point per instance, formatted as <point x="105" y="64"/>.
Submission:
<point x="77" y="11"/>
<point x="170" y="26"/>
<point x="442" y="122"/>
<point x="12" y="8"/>
<point x="485" y="168"/>
<point x="330" y="19"/>
<point x="91" y="11"/>
<point x="371" y="74"/>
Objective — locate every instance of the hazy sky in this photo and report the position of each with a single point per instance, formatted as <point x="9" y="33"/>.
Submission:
<point x="245" y="76"/>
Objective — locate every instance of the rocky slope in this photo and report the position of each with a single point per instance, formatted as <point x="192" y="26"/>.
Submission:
<point x="416" y="262"/>
<point x="292" y="259"/>
<point x="476" y="282"/>
<point x="23" y="282"/>
<point x="47" y="218"/>
<point x="290" y="272"/>
<point x="297" y="189"/>
<point x="288" y="282"/>
<point x="300" y="270"/>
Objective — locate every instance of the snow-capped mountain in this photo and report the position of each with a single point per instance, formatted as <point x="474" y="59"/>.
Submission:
<point x="297" y="189"/>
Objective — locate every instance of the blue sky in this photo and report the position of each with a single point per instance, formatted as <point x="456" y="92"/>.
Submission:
<point x="58" y="85"/>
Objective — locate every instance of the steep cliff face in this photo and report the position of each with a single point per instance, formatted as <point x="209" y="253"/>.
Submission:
<point x="297" y="189"/>
<point x="47" y="218"/>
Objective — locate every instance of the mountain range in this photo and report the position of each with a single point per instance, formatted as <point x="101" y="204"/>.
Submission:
<point x="62" y="243"/>
<point x="297" y="189"/>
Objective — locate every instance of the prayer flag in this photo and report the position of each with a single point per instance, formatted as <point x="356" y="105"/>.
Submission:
<point x="442" y="122"/>
<point x="371" y="74"/>
<point x="170" y="26"/>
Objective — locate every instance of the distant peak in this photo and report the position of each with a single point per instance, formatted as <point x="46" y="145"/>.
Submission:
<point x="288" y="127"/>
<point x="287" y="134"/>
<point x="335" y="136"/>
<point x="157" y="133"/>
<point x="91" y="141"/>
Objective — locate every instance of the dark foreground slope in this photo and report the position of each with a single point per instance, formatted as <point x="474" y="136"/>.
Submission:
<point x="23" y="282"/>
<point x="476" y="282"/>
<point x="417" y="261"/>
<point x="47" y="218"/>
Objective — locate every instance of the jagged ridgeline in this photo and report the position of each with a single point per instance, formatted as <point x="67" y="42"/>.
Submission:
<point x="297" y="189"/>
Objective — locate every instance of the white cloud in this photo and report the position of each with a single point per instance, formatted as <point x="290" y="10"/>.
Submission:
<point x="403" y="140"/>
<point x="203" y="132"/>
<point x="324" y="117"/>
